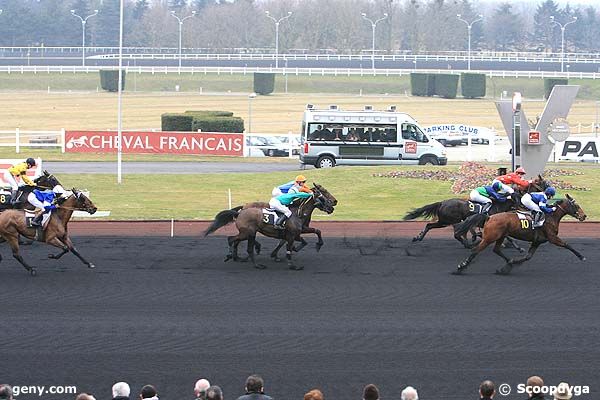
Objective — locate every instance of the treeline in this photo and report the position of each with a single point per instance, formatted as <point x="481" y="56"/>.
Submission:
<point x="315" y="25"/>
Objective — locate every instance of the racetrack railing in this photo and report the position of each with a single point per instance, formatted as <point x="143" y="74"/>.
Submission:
<point x="32" y="139"/>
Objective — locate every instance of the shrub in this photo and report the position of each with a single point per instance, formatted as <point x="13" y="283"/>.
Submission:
<point x="549" y="84"/>
<point x="109" y="80"/>
<point x="446" y="85"/>
<point x="204" y="113"/>
<point x="177" y="122"/>
<point x="264" y="83"/>
<point x="472" y="85"/>
<point x="218" y="124"/>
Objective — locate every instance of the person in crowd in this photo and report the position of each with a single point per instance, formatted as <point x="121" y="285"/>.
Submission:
<point x="121" y="391"/>
<point x="255" y="389"/>
<point x="563" y="392"/>
<point x="16" y="176"/>
<point x="316" y="134"/>
<point x="537" y="202"/>
<point x="200" y="389"/>
<point x="352" y="136"/>
<point x="409" y="393"/>
<point x="214" y="393"/>
<point x="371" y="392"/>
<point x="6" y="392"/>
<point x="314" y="394"/>
<point x="85" y="396"/>
<point x="149" y="392"/>
<point x="534" y="388"/>
<point x="376" y="135"/>
<point x="487" y="194"/>
<point x="327" y="134"/>
<point x="487" y="390"/>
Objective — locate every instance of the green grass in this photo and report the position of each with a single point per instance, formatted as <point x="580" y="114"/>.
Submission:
<point x="360" y="196"/>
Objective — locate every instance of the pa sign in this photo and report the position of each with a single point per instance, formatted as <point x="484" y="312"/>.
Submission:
<point x="580" y="149"/>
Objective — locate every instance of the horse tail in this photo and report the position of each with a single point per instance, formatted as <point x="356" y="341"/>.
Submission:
<point x="474" y="220"/>
<point x="223" y="218"/>
<point x="427" y="211"/>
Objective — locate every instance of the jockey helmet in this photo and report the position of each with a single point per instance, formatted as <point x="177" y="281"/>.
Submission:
<point x="520" y="171"/>
<point x="30" y="161"/>
<point x="300" y="178"/>
<point x="550" y="191"/>
<point x="497" y="186"/>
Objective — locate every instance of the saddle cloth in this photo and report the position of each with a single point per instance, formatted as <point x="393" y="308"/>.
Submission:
<point x="526" y="219"/>
<point x="269" y="216"/>
<point x="29" y="216"/>
<point x="475" y="208"/>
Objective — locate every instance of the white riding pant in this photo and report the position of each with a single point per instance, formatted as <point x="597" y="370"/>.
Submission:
<point x="505" y="188"/>
<point x="35" y="202"/>
<point x="276" y="204"/>
<point x="276" y="192"/>
<point x="10" y="179"/>
<point x="529" y="203"/>
<point x="478" y="197"/>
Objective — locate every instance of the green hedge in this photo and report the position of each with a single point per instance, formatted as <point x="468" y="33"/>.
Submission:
<point x="446" y="85"/>
<point x="422" y="84"/>
<point x="209" y="113"/>
<point x="549" y="84"/>
<point x="177" y="122"/>
<point x="109" y="80"/>
<point x="264" y="83"/>
<point x="218" y="124"/>
<point x="472" y="85"/>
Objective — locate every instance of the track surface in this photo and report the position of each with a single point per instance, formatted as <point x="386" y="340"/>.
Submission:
<point x="168" y="310"/>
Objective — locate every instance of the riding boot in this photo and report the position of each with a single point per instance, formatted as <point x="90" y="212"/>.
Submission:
<point x="280" y="221"/>
<point x="13" y="197"/>
<point x="538" y="219"/>
<point x="486" y="208"/>
<point x="37" y="221"/>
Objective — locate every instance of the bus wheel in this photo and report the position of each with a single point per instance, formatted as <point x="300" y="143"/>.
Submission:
<point x="325" y="162"/>
<point x="429" y="160"/>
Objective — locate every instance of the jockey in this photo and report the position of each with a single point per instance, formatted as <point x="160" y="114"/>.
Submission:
<point x="537" y="203"/>
<point x="16" y="173"/>
<point x="297" y="185"/>
<point x="487" y="194"/>
<point x="514" y="178"/>
<point x="44" y="201"/>
<point x="280" y="204"/>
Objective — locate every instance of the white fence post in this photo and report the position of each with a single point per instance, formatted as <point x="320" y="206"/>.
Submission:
<point x="245" y="149"/>
<point x="291" y="143"/>
<point x="62" y="140"/>
<point x="18" y="140"/>
<point x="492" y="147"/>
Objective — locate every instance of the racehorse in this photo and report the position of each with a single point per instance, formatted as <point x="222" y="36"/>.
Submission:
<point x="43" y="182"/>
<point x="305" y="228"/>
<point x="249" y="221"/>
<point x="13" y="223"/>
<point x="499" y="226"/>
<point x="452" y="211"/>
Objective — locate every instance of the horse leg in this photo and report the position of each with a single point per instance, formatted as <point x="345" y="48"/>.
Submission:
<point x="232" y="243"/>
<point x="516" y="261"/>
<point x="555" y="240"/>
<point x="275" y="252"/>
<point x="303" y="244"/>
<point x="317" y="232"/>
<point x="13" y="242"/>
<point x="70" y="247"/>
<point x="428" y="227"/>
<point x="288" y="255"/>
<point x="251" y="244"/>
<point x="464" y="241"/>
<point x="513" y="244"/>
<point x="465" y="263"/>
<point x="257" y="246"/>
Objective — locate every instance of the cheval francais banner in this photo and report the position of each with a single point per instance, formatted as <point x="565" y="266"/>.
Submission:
<point x="201" y="143"/>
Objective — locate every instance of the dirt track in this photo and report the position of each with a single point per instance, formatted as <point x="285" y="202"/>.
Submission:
<point x="386" y="311"/>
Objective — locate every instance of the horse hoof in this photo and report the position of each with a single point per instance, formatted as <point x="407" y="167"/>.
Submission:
<point x="415" y="239"/>
<point x="91" y="266"/>
<point x="277" y="259"/>
<point x="227" y="258"/>
<point x="319" y="247"/>
<point x="51" y="256"/>
<point x="582" y="258"/>
<point x="33" y="272"/>
<point x="296" y="267"/>
<point x="260" y="266"/>
<point x="457" y="272"/>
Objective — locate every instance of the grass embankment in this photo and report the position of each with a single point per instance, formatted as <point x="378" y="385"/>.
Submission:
<point x="361" y="196"/>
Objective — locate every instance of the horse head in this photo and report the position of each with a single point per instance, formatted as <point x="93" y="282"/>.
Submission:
<point x="572" y="208"/>
<point x="46" y="180"/>
<point x="326" y="193"/>
<point x="80" y="201"/>
<point x="322" y="202"/>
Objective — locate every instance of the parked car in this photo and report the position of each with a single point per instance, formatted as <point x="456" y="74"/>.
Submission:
<point x="295" y="143"/>
<point x="269" y="145"/>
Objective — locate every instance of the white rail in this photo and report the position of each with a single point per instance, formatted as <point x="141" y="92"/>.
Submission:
<point x="32" y="139"/>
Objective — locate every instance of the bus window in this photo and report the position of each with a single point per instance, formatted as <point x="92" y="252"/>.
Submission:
<point x="412" y="132"/>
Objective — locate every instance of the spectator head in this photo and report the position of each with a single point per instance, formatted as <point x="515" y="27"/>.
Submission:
<point x="149" y="392"/>
<point x="487" y="389"/>
<point x="6" y="392"/>
<point x="200" y="388"/>
<point x="85" y="396"/>
<point x="314" y="394"/>
<point x="214" y="393"/>
<point x="563" y="392"/>
<point x="409" y="393"/>
<point x="254" y="384"/>
<point x="532" y="383"/>
<point x="121" y="389"/>
<point x="370" y="392"/>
